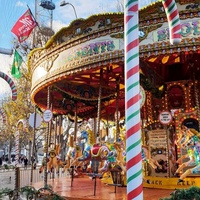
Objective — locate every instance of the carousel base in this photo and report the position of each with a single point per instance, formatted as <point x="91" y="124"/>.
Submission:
<point x="171" y="183"/>
<point x="82" y="188"/>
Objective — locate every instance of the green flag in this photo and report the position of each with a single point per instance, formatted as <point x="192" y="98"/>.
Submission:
<point x="16" y="65"/>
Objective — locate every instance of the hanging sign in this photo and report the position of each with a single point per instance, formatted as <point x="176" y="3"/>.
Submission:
<point x="37" y="122"/>
<point x="47" y="115"/>
<point x="165" y="117"/>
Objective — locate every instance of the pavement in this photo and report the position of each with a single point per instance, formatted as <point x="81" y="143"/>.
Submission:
<point x="84" y="188"/>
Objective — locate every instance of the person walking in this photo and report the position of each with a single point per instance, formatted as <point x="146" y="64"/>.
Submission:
<point x="25" y="163"/>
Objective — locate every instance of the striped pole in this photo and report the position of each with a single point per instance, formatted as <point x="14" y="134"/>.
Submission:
<point x="16" y="158"/>
<point x="16" y="148"/>
<point x="132" y="103"/>
<point x="173" y="21"/>
<point x="11" y="84"/>
<point x="3" y="115"/>
<point x="132" y="100"/>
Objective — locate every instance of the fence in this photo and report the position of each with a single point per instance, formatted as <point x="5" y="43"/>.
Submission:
<point x="7" y="177"/>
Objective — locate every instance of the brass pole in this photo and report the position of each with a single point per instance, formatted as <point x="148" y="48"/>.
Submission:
<point x="46" y="142"/>
<point x="60" y="126"/>
<point x="75" y="128"/>
<point x="117" y="111"/>
<point x="56" y="127"/>
<point x="99" y="105"/>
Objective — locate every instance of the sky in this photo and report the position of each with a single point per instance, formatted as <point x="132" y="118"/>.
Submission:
<point x="12" y="10"/>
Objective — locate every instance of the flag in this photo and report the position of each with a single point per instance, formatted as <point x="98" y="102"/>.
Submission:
<point x="16" y="65"/>
<point x="24" y="26"/>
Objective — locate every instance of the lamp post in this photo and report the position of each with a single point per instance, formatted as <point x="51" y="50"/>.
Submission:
<point x="63" y="3"/>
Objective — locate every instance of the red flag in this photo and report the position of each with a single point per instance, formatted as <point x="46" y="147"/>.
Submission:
<point x="24" y="26"/>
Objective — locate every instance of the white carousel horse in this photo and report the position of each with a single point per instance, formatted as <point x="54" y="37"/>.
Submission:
<point x="74" y="151"/>
<point x="184" y="139"/>
<point x="191" y="141"/>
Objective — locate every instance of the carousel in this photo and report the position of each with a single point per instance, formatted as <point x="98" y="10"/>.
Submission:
<point x="80" y="73"/>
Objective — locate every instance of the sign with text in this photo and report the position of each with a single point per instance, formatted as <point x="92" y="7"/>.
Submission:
<point x="47" y="115"/>
<point x="165" y="117"/>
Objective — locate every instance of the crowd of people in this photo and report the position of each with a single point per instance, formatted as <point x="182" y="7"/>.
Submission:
<point x="23" y="161"/>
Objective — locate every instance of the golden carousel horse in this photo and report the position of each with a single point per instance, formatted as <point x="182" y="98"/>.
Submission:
<point x="74" y="151"/>
<point x="146" y="157"/>
<point x="54" y="162"/>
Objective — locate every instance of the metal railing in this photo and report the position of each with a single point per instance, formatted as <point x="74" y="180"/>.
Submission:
<point x="7" y="177"/>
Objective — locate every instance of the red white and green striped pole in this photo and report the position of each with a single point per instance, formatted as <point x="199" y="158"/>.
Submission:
<point x="173" y="20"/>
<point x="133" y="131"/>
<point x="132" y="99"/>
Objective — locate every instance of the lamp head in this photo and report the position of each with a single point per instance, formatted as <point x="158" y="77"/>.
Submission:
<point x="63" y="3"/>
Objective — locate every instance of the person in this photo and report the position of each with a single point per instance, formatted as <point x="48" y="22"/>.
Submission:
<point x="1" y="161"/>
<point x="33" y="162"/>
<point x="25" y="162"/>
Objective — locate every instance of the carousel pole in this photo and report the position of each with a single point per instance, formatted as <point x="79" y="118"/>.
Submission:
<point x="132" y="103"/>
<point x="132" y="97"/>
<point x="56" y="127"/>
<point x="117" y="114"/>
<point x="75" y="128"/>
<point x="99" y="106"/>
<point x="50" y="132"/>
<point x="46" y="142"/>
<point x="17" y="169"/>
<point x="60" y="126"/>
<point x="94" y="127"/>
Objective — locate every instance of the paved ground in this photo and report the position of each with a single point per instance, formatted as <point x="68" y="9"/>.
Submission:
<point x="83" y="188"/>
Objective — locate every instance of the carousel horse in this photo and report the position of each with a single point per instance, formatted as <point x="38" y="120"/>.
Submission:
<point x="53" y="162"/>
<point x="121" y="156"/>
<point x="74" y="151"/>
<point x="146" y="157"/>
<point x="184" y="140"/>
<point x="88" y="138"/>
<point x="193" y="152"/>
<point x="97" y="152"/>
<point x="116" y="158"/>
<point x="184" y="136"/>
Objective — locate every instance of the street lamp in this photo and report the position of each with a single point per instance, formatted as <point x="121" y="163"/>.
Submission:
<point x="63" y="3"/>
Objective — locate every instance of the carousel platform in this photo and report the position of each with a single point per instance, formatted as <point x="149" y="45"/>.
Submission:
<point x="83" y="188"/>
<point x="171" y="183"/>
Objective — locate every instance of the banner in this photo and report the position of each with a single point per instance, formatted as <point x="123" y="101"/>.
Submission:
<point x="24" y="26"/>
<point x="16" y="65"/>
